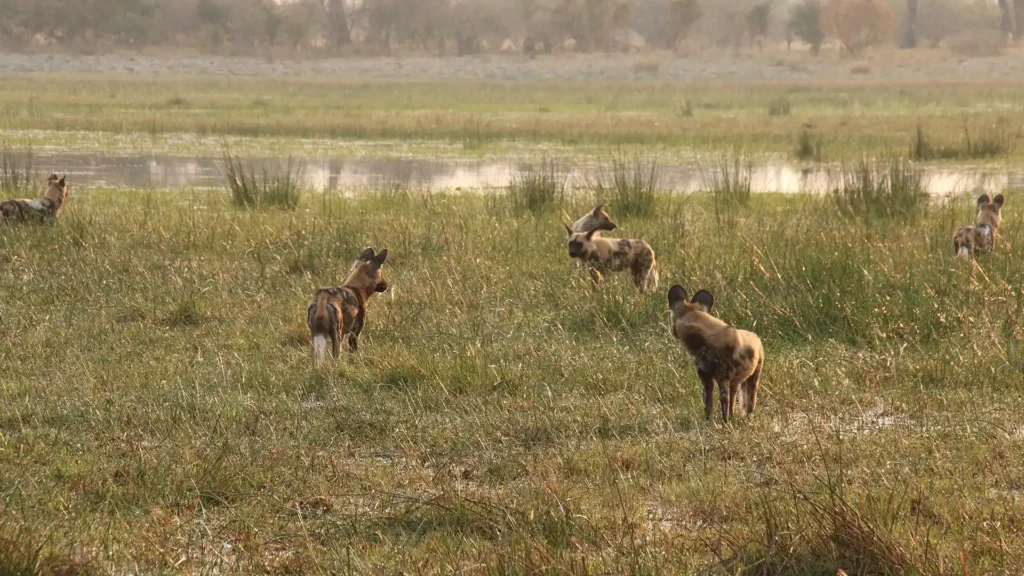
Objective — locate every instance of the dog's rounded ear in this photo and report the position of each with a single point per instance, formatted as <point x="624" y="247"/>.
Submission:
<point x="983" y="199"/>
<point x="379" y="259"/>
<point x="366" y="255"/>
<point x="63" y="181"/>
<point x="676" y="294"/>
<point x="999" y="201"/>
<point x="599" y="208"/>
<point x="568" y="230"/>
<point x="705" y="299"/>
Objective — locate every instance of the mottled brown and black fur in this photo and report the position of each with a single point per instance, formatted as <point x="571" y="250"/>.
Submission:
<point x="341" y="311"/>
<point x="40" y="210"/>
<point x="594" y="221"/>
<point x="603" y="255"/>
<point x="980" y="238"/>
<point x="721" y="353"/>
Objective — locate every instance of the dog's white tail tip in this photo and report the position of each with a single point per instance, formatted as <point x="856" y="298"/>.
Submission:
<point x="319" y="350"/>
<point x="965" y="252"/>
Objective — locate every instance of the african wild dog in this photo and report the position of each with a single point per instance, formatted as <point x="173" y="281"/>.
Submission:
<point x="720" y="352"/>
<point x="595" y="220"/>
<point x="980" y="238"/>
<point x="615" y="255"/>
<point x="339" y="311"/>
<point x="45" y="209"/>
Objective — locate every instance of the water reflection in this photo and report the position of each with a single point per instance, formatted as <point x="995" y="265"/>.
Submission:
<point x="352" y="175"/>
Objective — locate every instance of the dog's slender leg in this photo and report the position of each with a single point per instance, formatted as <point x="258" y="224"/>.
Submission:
<point x="724" y="399"/>
<point x="751" y="386"/>
<point x="709" y="391"/>
<point x="734" y="391"/>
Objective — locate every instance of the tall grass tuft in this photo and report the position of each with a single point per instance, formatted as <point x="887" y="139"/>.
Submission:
<point x="780" y="107"/>
<point x="728" y="181"/>
<point x="271" y="188"/>
<point x="536" y="187"/>
<point x="808" y="146"/>
<point x="17" y="175"/>
<point x="630" y="181"/>
<point x="881" y="188"/>
<point x="994" y="142"/>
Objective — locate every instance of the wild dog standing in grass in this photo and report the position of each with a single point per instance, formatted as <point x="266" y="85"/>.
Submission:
<point x="980" y="238"/>
<point x="45" y="209"/>
<point x="595" y="221"/>
<point x="720" y="352"/>
<point x="602" y="255"/>
<point x="340" y="311"/>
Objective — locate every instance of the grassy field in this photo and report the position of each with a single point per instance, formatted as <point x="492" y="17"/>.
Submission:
<point x="158" y="411"/>
<point x="282" y="115"/>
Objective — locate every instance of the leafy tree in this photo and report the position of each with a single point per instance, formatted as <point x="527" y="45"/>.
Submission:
<point x="683" y="14"/>
<point x="759" y="19"/>
<point x="805" y="24"/>
<point x="859" y="24"/>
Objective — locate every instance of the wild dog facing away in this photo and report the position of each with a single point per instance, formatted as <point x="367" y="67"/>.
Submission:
<point x="45" y="210"/>
<point x="341" y="311"/>
<point x="980" y="238"/>
<point x="603" y="255"/>
<point x="721" y="353"/>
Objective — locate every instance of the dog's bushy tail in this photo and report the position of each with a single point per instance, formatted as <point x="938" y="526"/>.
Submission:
<point x="323" y="324"/>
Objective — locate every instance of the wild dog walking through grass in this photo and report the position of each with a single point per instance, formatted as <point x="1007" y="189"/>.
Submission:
<point x="603" y="255"/>
<point x="980" y="238"/>
<point x="721" y="353"/>
<point x="341" y="311"/>
<point x="45" y="209"/>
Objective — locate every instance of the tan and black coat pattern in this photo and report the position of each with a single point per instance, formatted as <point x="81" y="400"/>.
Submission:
<point x="970" y="241"/>
<point x="733" y="358"/>
<point x="44" y="210"/>
<point x="594" y="221"/>
<point x="340" y="312"/>
<point x="603" y="255"/>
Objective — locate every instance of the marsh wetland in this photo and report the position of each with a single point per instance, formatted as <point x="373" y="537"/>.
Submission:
<point x="159" y="414"/>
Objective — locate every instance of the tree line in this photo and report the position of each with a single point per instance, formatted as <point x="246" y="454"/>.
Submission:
<point x="464" y="27"/>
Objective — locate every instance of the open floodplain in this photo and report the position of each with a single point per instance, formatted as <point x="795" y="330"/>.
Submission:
<point x="159" y="411"/>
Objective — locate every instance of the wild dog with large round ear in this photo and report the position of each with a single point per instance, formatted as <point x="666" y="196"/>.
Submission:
<point x="980" y="238"/>
<point x="596" y="219"/>
<point x="721" y="353"/>
<point x="602" y="255"/>
<point x="341" y="311"/>
<point x="45" y="209"/>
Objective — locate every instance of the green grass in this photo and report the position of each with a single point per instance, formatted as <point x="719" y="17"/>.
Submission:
<point x="536" y="187"/>
<point x="297" y="116"/>
<point x="158" y="411"/>
<point x="990" y="142"/>
<point x="18" y="178"/>
<point x="630" y="181"/>
<point x="272" y="187"/>
<point x="727" y="180"/>
<point x="887" y="187"/>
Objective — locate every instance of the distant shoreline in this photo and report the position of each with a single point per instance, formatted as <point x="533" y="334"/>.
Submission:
<point x="774" y="66"/>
